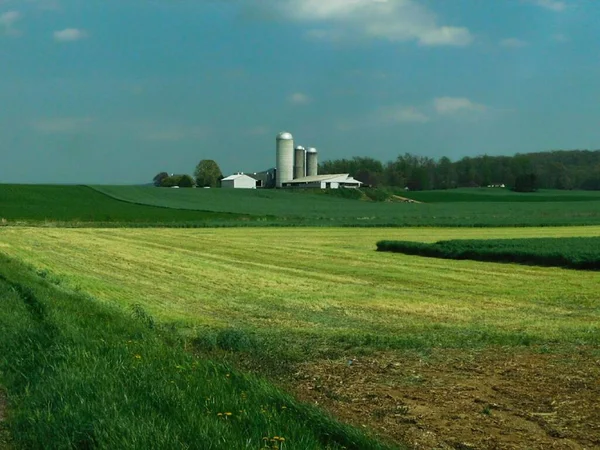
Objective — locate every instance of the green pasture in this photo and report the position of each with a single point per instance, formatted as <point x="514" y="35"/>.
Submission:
<point x="321" y="291"/>
<point x="297" y="208"/>
<point x="500" y="195"/>
<point x="144" y="206"/>
<point x="80" y="374"/>
<point x="72" y="205"/>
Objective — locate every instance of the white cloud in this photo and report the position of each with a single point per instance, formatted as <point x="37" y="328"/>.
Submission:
<point x="453" y="105"/>
<point x="401" y="114"/>
<point x="553" y="5"/>
<point x="513" y="43"/>
<point x="9" y="18"/>
<point x="62" y="124"/>
<point x="393" y="20"/>
<point x="69" y="35"/>
<point x="298" y="98"/>
<point x="7" y="22"/>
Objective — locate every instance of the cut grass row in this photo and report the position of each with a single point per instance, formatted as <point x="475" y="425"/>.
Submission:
<point x="81" y="374"/>
<point x="575" y="253"/>
<point x="322" y="292"/>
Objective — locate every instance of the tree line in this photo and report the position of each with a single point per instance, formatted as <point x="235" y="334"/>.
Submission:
<point x="206" y="174"/>
<point x="561" y="169"/>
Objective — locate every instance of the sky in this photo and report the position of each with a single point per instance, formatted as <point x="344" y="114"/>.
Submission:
<point x="115" y="91"/>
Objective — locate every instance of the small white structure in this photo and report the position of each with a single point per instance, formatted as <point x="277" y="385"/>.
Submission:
<point x="238" y="181"/>
<point x="335" y="181"/>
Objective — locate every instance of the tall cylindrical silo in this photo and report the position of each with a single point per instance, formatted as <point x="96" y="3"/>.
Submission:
<point x="285" y="158"/>
<point x="299" y="162"/>
<point x="312" y="162"/>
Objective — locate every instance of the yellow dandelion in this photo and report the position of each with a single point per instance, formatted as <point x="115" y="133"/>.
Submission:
<point x="138" y="356"/>
<point x="227" y="413"/>
<point x="219" y="414"/>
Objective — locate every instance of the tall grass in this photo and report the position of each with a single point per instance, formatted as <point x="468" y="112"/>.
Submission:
<point x="574" y="252"/>
<point x="84" y="375"/>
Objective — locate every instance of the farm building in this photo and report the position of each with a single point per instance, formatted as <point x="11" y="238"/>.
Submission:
<point x="238" y="181"/>
<point x="296" y="167"/>
<point x="324" y="182"/>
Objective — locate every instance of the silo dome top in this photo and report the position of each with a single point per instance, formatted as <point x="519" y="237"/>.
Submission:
<point x="284" y="136"/>
<point x="300" y="148"/>
<point x="311" y="150"/>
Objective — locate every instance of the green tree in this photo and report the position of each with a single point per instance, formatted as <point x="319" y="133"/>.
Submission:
<point x="158" y="179"/>
<point x="186" y="181"/>
<point x="208" y="173"/>
<point x="526" y="182"/>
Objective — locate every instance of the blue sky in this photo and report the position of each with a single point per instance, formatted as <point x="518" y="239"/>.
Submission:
<point x="114" y="91"/>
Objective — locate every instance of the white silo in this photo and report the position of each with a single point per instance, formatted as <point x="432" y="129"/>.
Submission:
<point x="285" y="158"/>
<point x="312" y="162"/>
<point x="299" y="162"/>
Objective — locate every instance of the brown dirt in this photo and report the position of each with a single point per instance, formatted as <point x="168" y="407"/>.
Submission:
<point x="493" y="399"/>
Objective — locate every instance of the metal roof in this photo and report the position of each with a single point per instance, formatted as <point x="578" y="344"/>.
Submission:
<point x="340" y="178"/>
<point x="236" y="176"/>
<point x="284" y="136"/>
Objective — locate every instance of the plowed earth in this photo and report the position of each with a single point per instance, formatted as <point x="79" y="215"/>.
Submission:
<point x="493" y="399"/>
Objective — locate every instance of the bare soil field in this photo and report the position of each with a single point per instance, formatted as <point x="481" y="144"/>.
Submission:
<point x="493" y="399"/>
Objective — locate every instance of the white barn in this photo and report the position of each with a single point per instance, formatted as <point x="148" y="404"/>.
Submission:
<point x="238" y="181"/>
<point x="335" y="181"/>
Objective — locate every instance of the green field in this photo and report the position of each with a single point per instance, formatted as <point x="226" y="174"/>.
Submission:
<point x="73" y="205"/>
<point x="322" y="286"/>
<point x="147" y="206"/>
<point x="576" y="252"/>
<point x="500" y="195"/>
<point x="318" y="209"/>
<point x="304" y="300"/>
<point x="82" y="375"/>
<point x="397" y="344"/>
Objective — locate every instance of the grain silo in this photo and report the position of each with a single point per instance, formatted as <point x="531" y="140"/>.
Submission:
<point x="299" y="162"/>
<point x="312" y="162"/>
<point x="285" y="158"/>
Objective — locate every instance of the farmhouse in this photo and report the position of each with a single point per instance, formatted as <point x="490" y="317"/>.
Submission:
<point x="324" y="182"/>
<point x="238" y="181"/>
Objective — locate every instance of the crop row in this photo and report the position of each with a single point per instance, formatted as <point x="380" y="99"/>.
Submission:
<point x="573" y="252"/>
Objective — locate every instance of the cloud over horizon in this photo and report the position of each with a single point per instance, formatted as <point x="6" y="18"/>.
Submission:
<point x="452" y="105"/>
<point x="395" y="21"/>
<point x="69" y="35"/>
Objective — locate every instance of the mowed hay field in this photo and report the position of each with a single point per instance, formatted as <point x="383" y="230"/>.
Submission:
<point x="435" y="352"/>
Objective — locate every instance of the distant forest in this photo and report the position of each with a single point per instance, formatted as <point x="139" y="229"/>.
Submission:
<point x="563" y="169"/>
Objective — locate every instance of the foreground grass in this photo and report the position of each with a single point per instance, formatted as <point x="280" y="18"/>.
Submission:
<point x="322" y="292"/>
<point x="80" y="374"/>
<point x="575" y="252"/>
